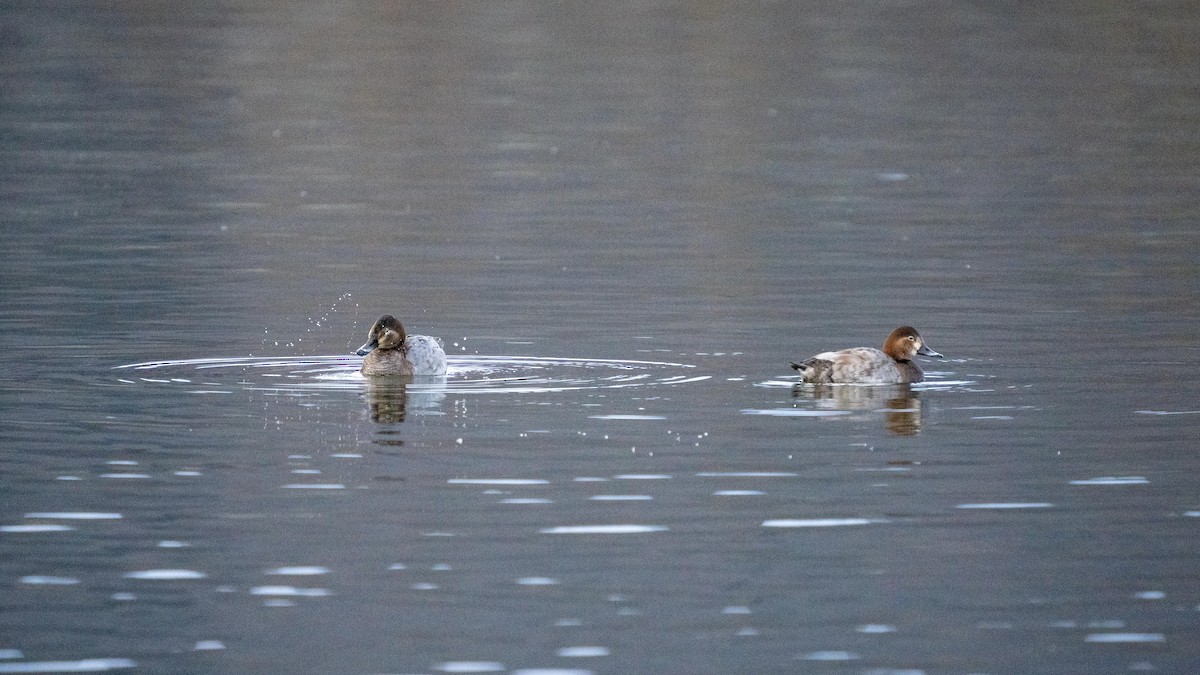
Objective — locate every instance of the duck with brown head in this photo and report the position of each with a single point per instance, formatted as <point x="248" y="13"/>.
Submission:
<point x="390" y="350"/>
<point x="867" y="365"/>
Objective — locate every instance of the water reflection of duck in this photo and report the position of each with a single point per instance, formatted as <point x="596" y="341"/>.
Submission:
<point x="900" y="405"/>
<point x="867" y="365"/>
<point x="391" y="399"/>
<point x="389" y="350"/>
<point x="388" y="400"/>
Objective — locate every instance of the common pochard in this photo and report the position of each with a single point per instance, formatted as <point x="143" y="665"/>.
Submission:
<point x="867" y="365"/>
<point x="391" y="351"/>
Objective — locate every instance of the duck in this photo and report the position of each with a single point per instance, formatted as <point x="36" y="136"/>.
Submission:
<point x="867" y="365"/>
<point x="390" y="350"/>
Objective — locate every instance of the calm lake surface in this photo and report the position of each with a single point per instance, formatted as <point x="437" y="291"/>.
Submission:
<point x="623" y="220"/>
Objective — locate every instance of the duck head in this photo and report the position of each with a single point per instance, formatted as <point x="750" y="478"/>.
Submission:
<point x="386" y="333"/>
<point x="905" y="342"/>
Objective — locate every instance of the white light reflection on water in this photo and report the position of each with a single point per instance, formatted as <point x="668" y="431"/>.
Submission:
<point x="497" y="481"/>
<point x="290" y="591"/>
<point x="795" y="412"/>
<point x="81" y="666"/>
<point x="820" y="522"/>
<point x="1112" y="480"/>
<point x="465" y="374"/>
<point x="933" y="382"/>
<point x="747" y="474"/>
<point x="166" y="575"/>
<point x="603" y="529"/>
<point x="1125" y="637"/>
<point x="470" y="667"/>
<point x="312" y="570"/>
<point x="72" y="515"/>
<point x="830" y="655"/>
<point x="738" y="493"/>
<point x="30" y="529"/>
<point x="47" y="580"/>
<point x="1006" y="505"/>
<point x="537" y="581"/>
<point x="583" y="652"/>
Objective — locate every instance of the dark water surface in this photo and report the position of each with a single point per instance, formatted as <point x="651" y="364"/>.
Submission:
<point x="623" y="220"/>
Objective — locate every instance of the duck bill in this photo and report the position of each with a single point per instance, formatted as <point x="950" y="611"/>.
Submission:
<point x="926" y="351"/>
<point x="367" y="348"/>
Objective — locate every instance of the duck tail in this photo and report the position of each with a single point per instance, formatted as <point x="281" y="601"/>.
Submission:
<point x="815" y="370"/>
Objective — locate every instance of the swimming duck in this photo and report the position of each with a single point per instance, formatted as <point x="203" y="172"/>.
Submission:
<point x="867" y="365"/>
<point x="391" y="351"/>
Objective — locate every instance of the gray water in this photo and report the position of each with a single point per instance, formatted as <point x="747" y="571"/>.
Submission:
<point x="623" y="220"/>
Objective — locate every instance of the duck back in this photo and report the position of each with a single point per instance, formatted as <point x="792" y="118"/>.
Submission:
<point x="426" y="355"/>
<point x="859" y="365"/>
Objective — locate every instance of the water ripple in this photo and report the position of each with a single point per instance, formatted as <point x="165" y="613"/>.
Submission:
<point x="465" y="374"/>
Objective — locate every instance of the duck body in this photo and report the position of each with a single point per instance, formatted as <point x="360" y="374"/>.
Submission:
<point x="866" y="365"/>
<point x="425" y="354"/>
<point x="389" y="350"/>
